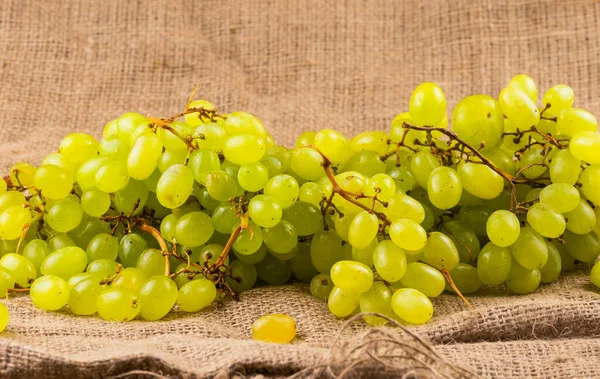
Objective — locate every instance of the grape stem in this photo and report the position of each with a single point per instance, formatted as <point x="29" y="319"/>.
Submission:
<point x="448" y="277"/>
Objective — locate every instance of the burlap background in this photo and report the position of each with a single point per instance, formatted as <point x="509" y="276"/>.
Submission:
<point x="298" y="65"/>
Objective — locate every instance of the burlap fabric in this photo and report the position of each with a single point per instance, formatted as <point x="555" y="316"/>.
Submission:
<point x="349" y="65"/>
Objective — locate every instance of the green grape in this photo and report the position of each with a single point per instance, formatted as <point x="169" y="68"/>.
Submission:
<point x="152" y="183"/>
<point x="306" y="218"/>
<point x="4" y="317"/>
<point x="561" y="197"/>
<point x="87" y="230"/>
<point x="423" y="278"/>
<point x="305" y="138"/>
<point x="365" y="162"/>
<point x="135" y="192"/>
<point x="117" y="304"/>
<point x="301" y="263"/>
<point x="567" y="261"/>
<point x="530" y="249"/>
<point x="95" y="202"/>
<point x="582" y="219"/>
<point x="244" y="122"/>
<point x="521" y="280"/>
<point x="494" y="264"/>
<point x="196" y="295"/>
<point x="64" y="215"/>
<point x="79" y="147"/>
<point x="185" y="275"/>
<point x="151" y="262"/>
<point x="22" y="173"/>
<point x="474" y="218"/>
<point x="190" y="205"/>
<point x="464" y="239"/>
<point x="54" y="182"/>
<point x="429" y="220"/>
<point x="169" y="158"/>
<point x="583" y="247"/>
<point x="370" y="141"/>
<point x="253" y="258"/>
<point x="86" y="174"/>
<point x="249" y="240"/>
<point x="519" y="108"/>
<point x="595" y="275"/>
<point x="77" y="278"/>
<point x="224" y="218"/>
<point x="59" y="241"/>
<point x="284" y="189"/>
<point x="512" y="142"/>
<point x="7" y="246"/>
<point x="342" y="302"/>
<point x="546" y="126"/>
<point x="559" y="97"/>
<point x="103" y="267"/>
<point x="444" y="187"/>
<point x="281" y="238"/>
<point x="397" y="130"/>
<point x="274" y="271"/>
<point x="389" y="261"/>
<point x="545" y="220"/>
<point x="503" y="228"/>
<point x="157" y="297"/>
<point x="365" y="255"/>
<point x="243" y="276"/>
<point x="12" y="221"/>
<point x="597" y="227"/>
<point x="175" y="186"/>
<point x="321" y="286"/>
<point x="144" y="155"/>
<point x="128" y="122"/>
<point x="524" y="84"/>
<point x="422" y="165"/>
<point x="131" y="247"/>
<point x="342" y="225"/>
<point x="333" y="145"/>
<point x="564" y="168"/>
<point x="465" y="278"/>
<point x="480" y="181"/>
<point x="377" y="300"/>
<point x="112" y="176"/>
<point x="408" y="234"/>
<point x="36" y="250"/>
<point x="584" y="145"/>
<point x="574" y="120"/>
<point x="84" y="295"/>
<point x="194" y="229"/>
<point x="49" y="293"/>
<point x="501" y="159"/>
<point x="404" y="179"/>
<point x="307" y="163"/>
<point x="252" y="177"/>
<point x="58" y="160"/>
<point x="103" y="246"/>
<point x="352" y="276"/>
<point x="412" y="306"/>
<point x="273" y="165"/>
<point x="326" y="249"/>
<point x="131" y="278"/>
<point x="210" y="136"/>
<point x="363" y="230"/>
<point x="6" y="282"/>
<point x="440" y="252"/>
<point x="196" y="118"/>
<point x="590" y="182"/>
<point x="553" y="266"/>
<point x="478" y="119"/>
<point x="533" y="156"/>
<point x="221" y="186"/>
<point x="265" y="211"/>
<point x="427" y="104"/>
<point x="207" y="203"/>
<point x="65" y="262"/>
<point x="114" y="148"/>
<point x="403" y="206"/>
<point x="20" y="268"/>
<point x="202" y="162"/>
<point x="244" y="148"/>
<point x="3" y="186"/>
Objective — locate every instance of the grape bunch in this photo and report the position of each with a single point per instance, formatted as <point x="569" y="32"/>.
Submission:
<point x="183" y="212"/>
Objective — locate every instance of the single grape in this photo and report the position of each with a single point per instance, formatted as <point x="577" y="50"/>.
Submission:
<point x="558" y="97"/>
<point x="524" y="84"/>
<point x="503" y="228"/>
<point x="574" y="120"/>
<point x="284" y="189"/>
<point x="103" y="246"/>
<point x="53" y="181"/>
<point x="465" y="278"/>
<point x="105" y="268"/>
<point x="389" y="261"/>
<point x="553" y="266"/>
<point x="243" y="276"/>
<point x="545" y="220"/>
<point x="4" y="317"/>
<point x="530" y="249"/>
<point x="412" y="306"/>
<point x="244" y="148"/>
<point x="306" y="218"/>
<point x="464" y="239"/>
<point x="252" y="177"/>
<point x="423" y="278"/>
<point x="321" y="286"/>
<point x="253" y="258"/>
<point x="274" y="271"/>
<point x="65" y="215"/>
<point x="20" y="268"/>
<point x="363" y="229"/>
<point x="480" y="180"/>
<point x="151" y="262"/>
<point x="22" y="173"/>
<point x="494" y="264"/>
<point x="131" y="278"/>
<point x="478" y="119"/>
<point x="440" y="252"/>
<point x="584" y="146"/>
<point x="112" y="176"/>
<point x="583" y="247"/>
<point x="582" y="219"/>
<point x="221" y="185"/>
<point x="144" y="155"/>
<point x="564" y="168"/>
<point x="408" y="234"/>
<point x="595" y="275"/>
<point x="59" y="241"/>
<point x="12" y="221"/>
<point x="84" y="295"/>
<point x="132" y="246"/>
<point x="377" y="300"/>
<point x="157" y="297"/>
<point x="117" y="304"/>
<point x="194" y="229"/>
<point x="333" y="145"/>
<point x="49" y="293"/>
<point x="6" y="282"/>
<point x="422" y="165"/>
<point x="341" y="302"/>
<point x="521" y="280"/>
<point x="196" y="295"/>
<point x="132" y="198"/>
<point x="427" y="104"/>
<point x="307" y="163"/>
<point x="95" y="202"/>
<point x="403" y="206"/>
<point x="274" y="328"/>
<point x="518" y="107"/>
<point x="249" y="240"/>
<point x="175" y="186"/>
<point x="444" y="187"/>
<point x="352" y="276"/>
<point x="590" y="182"/>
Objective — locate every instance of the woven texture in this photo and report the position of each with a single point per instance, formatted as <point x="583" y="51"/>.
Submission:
<point x="298" y="65"/>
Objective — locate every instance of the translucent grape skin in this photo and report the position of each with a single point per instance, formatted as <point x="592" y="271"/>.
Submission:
<point x="321" y="286"/>
<point x="389" y="261"/>
<point x="175" y="186"/>
<point x="503" y="228"/>
<point x="352" y="276"/>
<point x="546" y="221"/>
<point x="521" y="280"/>
<point x="440" y="252"/>
<point x="49" y="293"/>
<point x="83" y="296"/>
<point x="427" y="104"/>
<point x="444" y="187"/>
<point x="117" y="304"/>
<point x="363" y="229"/>
<point x="423" y="278"/>
<point x="341" y="302"/>
<point x="265" y="211"/>
<point x="21" y="269"/>
<point x="196" y="295"/>
<point x="376" y="300"/>
<point x="408" y="234"/>
<point x="494" y="264"/>
<point x="157" y="297"/>
<point x="412" y="306"/>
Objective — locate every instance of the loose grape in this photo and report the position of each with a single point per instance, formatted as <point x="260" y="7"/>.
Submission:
<point x="274" y="328"/>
